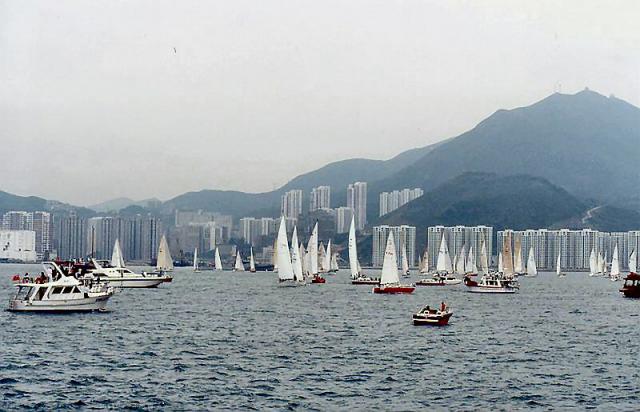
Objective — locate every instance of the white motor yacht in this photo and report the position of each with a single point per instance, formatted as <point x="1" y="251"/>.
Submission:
<point x="440" y="279"/>
<point x="121" y="277"/>
<point x="491" y="283"/>
<point x="57" y="292"/>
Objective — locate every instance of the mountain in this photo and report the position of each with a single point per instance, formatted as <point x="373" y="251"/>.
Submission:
<point x="117" y="204"/>
<point x="10" y="201"/>
<point x="586" y="143"/>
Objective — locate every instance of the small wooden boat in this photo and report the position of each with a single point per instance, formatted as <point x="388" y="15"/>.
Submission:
<point x="432" y="317"/>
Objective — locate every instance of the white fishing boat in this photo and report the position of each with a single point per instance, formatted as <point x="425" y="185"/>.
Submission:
<point x="286" y="277"/>
<point x="593" y="263"/>
<point x="357" y="277"/>
<point x="196" y="266"/>
<point x="558" y="268"/>
<point x="252" y="262"/>
<point x="389" y="279"/>
<point x="532" y="268"/>
<point x="296" y="259"/>
<point x="614" y="275"/>
<point x="633" y="262"/>
<point x="217" y="261"/>
<point x="405" y="261"/>
<point x="238" y="266"/>
<point x="59" y="293"/>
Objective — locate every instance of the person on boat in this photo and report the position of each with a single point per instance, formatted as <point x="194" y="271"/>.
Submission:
<point x="443" y="306"/>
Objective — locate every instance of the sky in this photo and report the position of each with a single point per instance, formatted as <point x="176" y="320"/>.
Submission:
<point x="141" y="99"/>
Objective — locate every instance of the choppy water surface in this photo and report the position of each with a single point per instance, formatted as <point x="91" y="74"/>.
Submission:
<point x="237" y="341"/>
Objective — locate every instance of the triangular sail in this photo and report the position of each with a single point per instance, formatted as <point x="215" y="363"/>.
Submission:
<point x="252" y="262"/>
<point x="444" y="260"/>
<point x="285" y="268"/>
<point x="239" y="266"/>
<point x="558" y="268"/>
<point x="296" y="261"/>
<point x="274" y="256"/>
<point x="326" y="264"/>
<point x="218" y="261"/>
<point x="390" y="263"/>
<point x="633" y="262"/>
<point x="334" y="262"/>
<point x="532" y="269"/>
<point x="507" y="255"/>
<point x="484" y="259"/>
<point x="470" y="266"/>
<point x="312" y="250"/>
<point x="615" y="263"/>
<point x="164" y="259"/>
<point x="461" y="262"/>
<point x="354" y="266"/>
<point x="195" y="260"/>
<point x="425" y="262"/>
<point x="405" y="261"/>
<point x="600" y="263"/>
<point x="593" y="263"/>
<point x="500" y="263"/>
<point x="518" y="263"/>
<point x="117" y="261"/>
<point x="303" y="259"/>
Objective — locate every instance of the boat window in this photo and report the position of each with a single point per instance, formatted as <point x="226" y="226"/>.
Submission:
<point x="56" y="290"/>
<point x="68" y="289"/>
<point x="76" y="290"/>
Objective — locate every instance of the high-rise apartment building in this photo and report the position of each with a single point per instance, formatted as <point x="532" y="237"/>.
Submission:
<point x="292" y="204"/>
<point x="390" y="201"/>
<point x="39" y="222"/>
<point x="343" y="219"/>
<point x="357" y="200"/>
<point x="18" y="245"/>
<point x="458" y="237"/>
<point x="402" y="235"/>
<point x="320" y="198"/>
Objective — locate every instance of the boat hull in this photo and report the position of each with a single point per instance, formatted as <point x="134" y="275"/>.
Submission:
<point x="489" y="289"/>
<point x="318" y="279"/>
<point x="431" y="320"/>
<point x="394" y="289"/>
<point x="365" y="281"/>
<point x="137" y="282"/>
<point x="431" y="282"/>
<point x="89" y="304"/>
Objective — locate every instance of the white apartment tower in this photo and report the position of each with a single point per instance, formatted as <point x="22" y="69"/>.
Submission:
<point x="292" y="204"/>
<point x="402" y="235"/>
<point x="320" y="198"/>
<point x="357" y="200"/>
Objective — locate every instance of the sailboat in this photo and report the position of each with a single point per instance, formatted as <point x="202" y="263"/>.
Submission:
<point x="461" y="260"/>
<point x="470" y="265"/>
<point x="252" y="262"/>
<point x="593" y="263"/>
<point x="601" y="265"/>
<point x="532" y="268"/>
<point x="296" y="259"/>
<point x="117" y="261"/>
<point x="405" y="262"/>
<point x="238" y="266"/>
<point x="444" y="267"/>
<point x="286" y="276"/>
<point x="507" y="258"/>
<point x="500" y="263"/>
<point x="312" y="250"/>
<point x="322" y="259"/>
<point x="328" y="256"/>
<point x="164" y="260"/>
<point x="357" y="277"/>
<point x="217" y="260"/>
<point x="484" y="259"/>
<point x="334" y="263"/>
<point x="274" y="256"/>
<point x="615" y="265"/>
<point x="518" y="263"/>
<point x="389" y="279"/>
<point x="425" y="263"/>
<point x="304" y="259"/>
<point x="633" y="262"/>
<point x="558" y="269"/>
<point x="196" y="268"/>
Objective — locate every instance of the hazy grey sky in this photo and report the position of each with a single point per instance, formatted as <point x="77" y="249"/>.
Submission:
<point x="95" y="103"/>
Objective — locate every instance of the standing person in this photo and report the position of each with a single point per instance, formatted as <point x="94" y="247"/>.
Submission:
<point x="443" y="307"/>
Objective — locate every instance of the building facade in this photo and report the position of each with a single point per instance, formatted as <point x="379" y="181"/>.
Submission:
<point x="357" y="201"/>
<point x="291" y="206"/>
<point x="320" y="198"/>
<point x="458" y="237"/>
<point x="343" y="219"/>
<point x="390" y="201"/>
<point x="18" y="245"/>
<point x="39" y="222"/>
<point x="402" y="235"/>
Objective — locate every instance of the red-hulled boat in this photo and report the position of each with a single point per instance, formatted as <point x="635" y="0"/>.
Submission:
<point x="432" y="317"/>
<point x="390" y="280"/>
<point x="631" y="288"/>
<point x="318" y="279"/>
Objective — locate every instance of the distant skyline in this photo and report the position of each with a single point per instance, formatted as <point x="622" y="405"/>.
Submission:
<point x="101" y="100"/>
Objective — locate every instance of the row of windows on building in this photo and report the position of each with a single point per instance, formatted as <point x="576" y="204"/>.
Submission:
<point x="390" y="201"/>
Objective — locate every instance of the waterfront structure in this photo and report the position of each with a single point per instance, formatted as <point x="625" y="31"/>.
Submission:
<point x="390" y="201"/>
<point x="402" y="235"/>
<point x="573" y="246"/>
<point x="40" y="222"/>
<point x="291" y="206"/>
<point x="357" y="200"/>
<point x="343" y="219"/>
<point x="458" y="237"/>
<point x="18" y="245"/>
<point x="320" y="198"/>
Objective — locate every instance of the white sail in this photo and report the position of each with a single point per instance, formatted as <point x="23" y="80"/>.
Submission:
<point x="615" y="264"/>
<point x="164" y="259"/>
<point x="425" y="262"/>
<point x="600" y="263"/>
<point x="444" y="260"/>
<point x="518" y="262"/>
<point x="334" y="262"/>
<point x="390" y="263"/>
<point x="484" y="259"/>
<point x="405" y="261"/>
<point x="326" y="264"/>
<point x="252" y="262"/>
<point x="558" y="269"/>
<point x="304" y="259"/>
<point x="312" y="250"/>
<point x="593" y="263"/>
<point x="285" y="267"/>
<point x="117" y="261"/>
<point x="633" y="262"/>
<point x="239" y="266"/>
<point x="532" y="269"/>
<point x="296" y="261"/>
<point x="218" y="261"/>
<point x="195" y="260"/>
<point x="460" y="262"/>
<point x="353" y="251"/>
<point x="274" y="256"/>
<point x="500" y="263"/>
<point x="507" y="255"/>
<point x="470" y="266"/>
